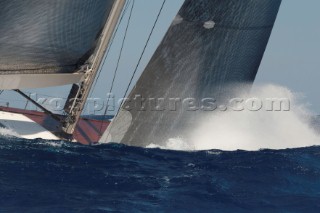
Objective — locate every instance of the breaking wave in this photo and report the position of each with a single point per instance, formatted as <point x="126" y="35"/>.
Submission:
<point x="8" y="132"/>
<point x="252" y="130"/>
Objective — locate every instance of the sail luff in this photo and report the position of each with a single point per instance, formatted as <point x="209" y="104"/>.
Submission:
<point x="85" y="87"/>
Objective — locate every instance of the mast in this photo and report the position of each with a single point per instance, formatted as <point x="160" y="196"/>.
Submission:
<point x="79" y="93"/>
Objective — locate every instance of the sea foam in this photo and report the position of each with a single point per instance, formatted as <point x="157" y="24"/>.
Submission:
<point x="8" y="133"/>
<point x="252" y="130"/>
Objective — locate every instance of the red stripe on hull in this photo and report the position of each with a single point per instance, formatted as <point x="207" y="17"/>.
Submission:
<point x="88" y="131"/>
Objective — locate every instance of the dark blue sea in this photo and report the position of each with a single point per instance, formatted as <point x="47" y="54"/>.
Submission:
<point x="46" y="176"/>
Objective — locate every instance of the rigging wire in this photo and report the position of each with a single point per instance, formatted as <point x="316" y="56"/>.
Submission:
<point x="121" y="49"/>
<point x="142" y="54"/>
<point x="111" y="44"/>
<point x="118" y="62"/>
<point x="139" y="61"/>
<point x="104" y="61"/>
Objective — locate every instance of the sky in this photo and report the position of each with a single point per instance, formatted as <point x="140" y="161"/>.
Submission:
<point x="291" y="59"/>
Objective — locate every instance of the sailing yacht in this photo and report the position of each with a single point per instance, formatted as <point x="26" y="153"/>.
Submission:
<point x="209" y="45"/>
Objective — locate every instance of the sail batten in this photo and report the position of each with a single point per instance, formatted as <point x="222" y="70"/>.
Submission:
<point x="210" y="45"/>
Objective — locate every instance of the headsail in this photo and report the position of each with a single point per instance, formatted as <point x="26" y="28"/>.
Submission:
<point x="39" y="37"/>
<point x="211" y="43"/>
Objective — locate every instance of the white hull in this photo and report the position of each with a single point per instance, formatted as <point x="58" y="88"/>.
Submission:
<point x="21" y="126"/>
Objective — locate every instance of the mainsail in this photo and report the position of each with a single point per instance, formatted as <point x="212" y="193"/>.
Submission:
<point x="56" y="42"/>
<point x="43" y="37"/>
<point x="210" y="44"/>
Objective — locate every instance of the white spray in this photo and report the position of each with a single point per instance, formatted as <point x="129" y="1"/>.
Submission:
<point x="252" y="130"/>
<point x="8" y="132"/>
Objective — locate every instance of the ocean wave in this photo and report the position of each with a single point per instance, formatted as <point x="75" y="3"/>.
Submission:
<point x="251" y="130"/>
<point x="58" y="176"/>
